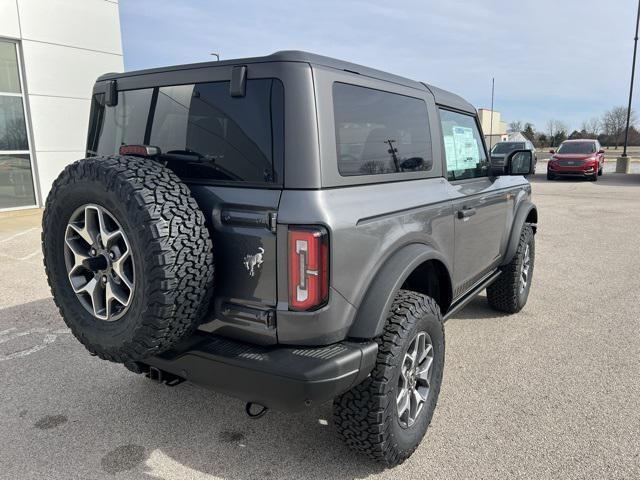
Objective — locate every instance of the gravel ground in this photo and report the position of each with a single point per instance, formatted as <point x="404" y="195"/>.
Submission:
<point x="552" y="392"/>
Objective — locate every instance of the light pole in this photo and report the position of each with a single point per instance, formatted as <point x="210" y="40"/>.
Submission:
<point x="633" y="71"/>
<point x="217" y="55"/>
<point x="493" y="86"/>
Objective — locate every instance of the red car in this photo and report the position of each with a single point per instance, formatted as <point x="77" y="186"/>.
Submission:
<point x="582" y="158"/>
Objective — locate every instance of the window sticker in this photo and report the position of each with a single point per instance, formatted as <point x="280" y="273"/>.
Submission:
<point x="465" y="148"/>
<point x="450" y="152"/>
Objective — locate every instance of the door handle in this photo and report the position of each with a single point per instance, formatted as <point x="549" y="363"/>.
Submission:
<point x="466" y="212"/>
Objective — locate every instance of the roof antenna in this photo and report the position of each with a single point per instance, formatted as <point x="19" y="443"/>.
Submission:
<point x="217" y="55"/>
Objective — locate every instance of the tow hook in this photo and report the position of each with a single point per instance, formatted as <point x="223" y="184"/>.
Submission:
<point x="254" y="415"/>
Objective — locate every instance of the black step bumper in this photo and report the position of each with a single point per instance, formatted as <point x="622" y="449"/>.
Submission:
<point x="279" y="377"/>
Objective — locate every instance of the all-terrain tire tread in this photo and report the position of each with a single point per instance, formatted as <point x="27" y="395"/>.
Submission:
<point x="503" y="293"/>
<point x="362" y="416"/>
<point x="179" y="247"/>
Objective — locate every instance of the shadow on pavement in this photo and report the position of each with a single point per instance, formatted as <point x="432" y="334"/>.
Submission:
<point x="478" y="309"/>
<point x="103" y="419"/>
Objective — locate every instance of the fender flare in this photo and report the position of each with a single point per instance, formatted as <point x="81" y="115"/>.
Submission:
<point x="376" y="303"/>
<point x="519" y="219"/>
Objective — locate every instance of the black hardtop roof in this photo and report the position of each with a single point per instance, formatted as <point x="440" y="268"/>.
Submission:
<point x="442" y="97"/>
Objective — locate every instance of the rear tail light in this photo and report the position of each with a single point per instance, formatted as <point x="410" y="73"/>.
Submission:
<point x="308" y="268"/>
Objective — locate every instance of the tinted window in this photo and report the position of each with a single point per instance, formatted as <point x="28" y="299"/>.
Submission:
<point x="506" y="147"/>
<point x="202" y="131"/>
<point x="463" y="146"/>
<point x="13" y="131"/>
<point x="227" y="138"/>
<point x="9" y="73"/>
<point x="124" y="124"/>
<point x="16" y="181"/>
<point x="380" y="132"/>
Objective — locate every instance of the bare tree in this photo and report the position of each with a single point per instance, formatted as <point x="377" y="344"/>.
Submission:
<point x="614" y="123"/>
<point x="551" y="129"/>
<point x="15" y="136"/>
<point x="515" y="126"/>
<point x="591" y="127"/>
<point x="561" y="127"/>
<point x="557" y="131"/>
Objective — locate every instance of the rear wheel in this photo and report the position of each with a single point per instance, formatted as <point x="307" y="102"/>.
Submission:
<point x="387" y="415"/>
<point x="550" y="176"/>
<point x="127" y="255"/>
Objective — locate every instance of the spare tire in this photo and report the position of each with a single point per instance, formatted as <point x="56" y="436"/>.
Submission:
<point x="128" y="256"/>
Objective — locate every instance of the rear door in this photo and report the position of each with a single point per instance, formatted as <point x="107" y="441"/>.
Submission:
<point x="229" y="150"/>
<point x="480" y="208"/>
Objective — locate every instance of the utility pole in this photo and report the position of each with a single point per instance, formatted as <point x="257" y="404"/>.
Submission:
<point x="493" y="85"/>
<point x="633" y="71"/>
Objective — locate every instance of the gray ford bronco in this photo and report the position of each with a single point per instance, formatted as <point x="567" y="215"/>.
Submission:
<point x="348" y="213"/>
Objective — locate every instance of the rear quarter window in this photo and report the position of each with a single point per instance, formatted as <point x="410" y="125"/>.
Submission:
<point x="380" y="132"/>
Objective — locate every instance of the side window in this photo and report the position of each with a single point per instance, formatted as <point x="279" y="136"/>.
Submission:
<point x="464" y="150"/>
<point x="380" y="132"/>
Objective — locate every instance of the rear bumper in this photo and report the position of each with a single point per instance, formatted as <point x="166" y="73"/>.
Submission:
<point x="282" y="378"/>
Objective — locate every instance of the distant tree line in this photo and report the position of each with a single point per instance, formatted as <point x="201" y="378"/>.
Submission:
<point x="609" y="130"/>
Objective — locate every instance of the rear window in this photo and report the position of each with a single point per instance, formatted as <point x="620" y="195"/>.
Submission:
<point x="380" y="132"/>
<point x="202" y="131"/>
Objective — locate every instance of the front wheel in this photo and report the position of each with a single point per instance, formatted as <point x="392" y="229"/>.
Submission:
<point x="600" y="171"/>
<point x="387" y="415"/>
<point x="510" y="291"/>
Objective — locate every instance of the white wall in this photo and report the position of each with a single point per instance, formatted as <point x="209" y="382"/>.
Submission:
<point x="9" y="25"/>
<point x="66" y="45"/>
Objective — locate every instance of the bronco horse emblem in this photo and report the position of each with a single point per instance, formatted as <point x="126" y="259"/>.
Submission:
<point x="251" y="262"/>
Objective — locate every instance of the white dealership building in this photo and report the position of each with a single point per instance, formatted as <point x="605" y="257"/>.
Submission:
<point x="51" y="52"/>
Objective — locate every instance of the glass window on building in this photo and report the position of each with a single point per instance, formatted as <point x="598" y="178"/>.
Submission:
<point x="16" y="179"/>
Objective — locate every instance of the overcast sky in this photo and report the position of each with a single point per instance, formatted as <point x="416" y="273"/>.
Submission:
<point x="563" y="59"/>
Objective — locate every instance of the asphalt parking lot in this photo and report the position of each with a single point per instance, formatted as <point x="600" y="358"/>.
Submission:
<point x="552" y="392"/>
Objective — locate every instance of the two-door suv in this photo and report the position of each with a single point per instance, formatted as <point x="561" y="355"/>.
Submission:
<point x="581" y="158"/>
<point x="348" y="212"/>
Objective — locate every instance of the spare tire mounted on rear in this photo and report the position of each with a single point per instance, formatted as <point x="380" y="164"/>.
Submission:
<point x="128" y="256"/>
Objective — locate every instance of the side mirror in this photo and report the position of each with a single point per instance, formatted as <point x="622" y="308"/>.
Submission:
<point x="552" y="151"/>
<point x="497" y="166"/>
<point x="601" y="152"/>
<point x="519" y="162"/>
<point x="413" y="163"/>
